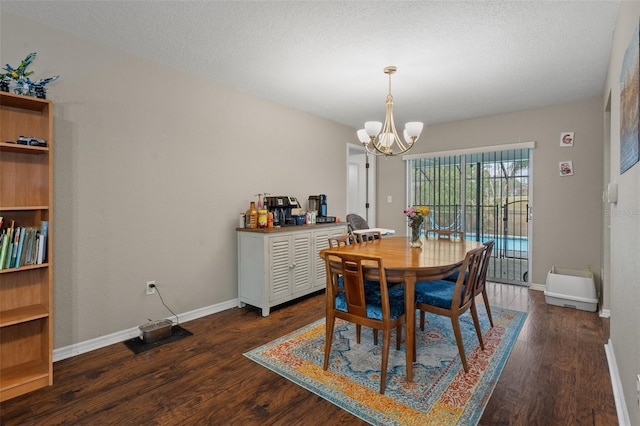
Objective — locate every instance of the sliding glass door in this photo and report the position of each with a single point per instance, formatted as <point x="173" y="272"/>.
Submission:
<point x="484" y="194"/>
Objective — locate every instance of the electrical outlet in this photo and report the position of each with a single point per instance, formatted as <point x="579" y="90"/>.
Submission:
<point x="151" y="288"/>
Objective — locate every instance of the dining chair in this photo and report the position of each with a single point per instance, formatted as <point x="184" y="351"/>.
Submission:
<point x="381" y="308"/>
<point x="452" y="299"/>
<point x="481" y="285"/>
<point x="341" y="240"/>
<point x="366" y="236"/>
<point x="345" y="240"/>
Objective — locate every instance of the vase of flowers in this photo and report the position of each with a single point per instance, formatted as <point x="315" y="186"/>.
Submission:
<point x="415" y="216"/>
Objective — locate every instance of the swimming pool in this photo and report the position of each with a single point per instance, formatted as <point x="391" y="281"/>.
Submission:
<point x="509" y="242"/>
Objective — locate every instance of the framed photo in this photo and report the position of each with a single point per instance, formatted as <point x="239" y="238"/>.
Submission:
<point x="566" y="139"/>
<point x="566" y="168"/>
<point x="630" y="104"/>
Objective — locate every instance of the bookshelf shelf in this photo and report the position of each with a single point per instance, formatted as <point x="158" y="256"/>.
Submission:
<point x="30" y="375"/>
<point x="26" y="291"/>
<point x="24" y="268"/>
<point x="12" y="147"/>
<point x="20" y="315"/>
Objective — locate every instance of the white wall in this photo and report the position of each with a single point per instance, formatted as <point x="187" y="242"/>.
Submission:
<point x="625" y="228"/>
<point x="153" y="167"/>
<point x="567" y="219"/>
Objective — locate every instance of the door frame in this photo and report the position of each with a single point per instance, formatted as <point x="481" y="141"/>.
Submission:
<point x="358" y="154"/>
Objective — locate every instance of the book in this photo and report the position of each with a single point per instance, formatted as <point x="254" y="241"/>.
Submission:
<point x="4" y="248"/>
<point x="20" y="246"/>
<point x="40" y="249"/>
<point x="44" y="226"/>
<point x="14" y="248"/>
<point x="28" y="257"/>
<point x="9" y="236"/>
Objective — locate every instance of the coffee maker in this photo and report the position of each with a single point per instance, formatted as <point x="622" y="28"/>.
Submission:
<point x="322" y="204"/>
<point x="281" y="207"/>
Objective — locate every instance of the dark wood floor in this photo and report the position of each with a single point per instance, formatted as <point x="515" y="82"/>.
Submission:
<point x="557" y="374"/>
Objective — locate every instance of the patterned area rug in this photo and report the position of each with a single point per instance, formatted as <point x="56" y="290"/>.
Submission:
<point x="441" y="393"/>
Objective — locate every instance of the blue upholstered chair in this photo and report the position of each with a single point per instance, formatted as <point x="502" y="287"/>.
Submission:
<point x="452" y="299"/>
<point x="481" y="285"/>
<point x="380" y="308"/>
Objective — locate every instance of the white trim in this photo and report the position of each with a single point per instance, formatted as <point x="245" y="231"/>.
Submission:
<point x="538" y="287"/>
<point x="605" y="313"/>
<point x="493" y="148"/>
<point x="120" y="336"/>
<point x="618" y="393"/>
<point x="370" y="185"/>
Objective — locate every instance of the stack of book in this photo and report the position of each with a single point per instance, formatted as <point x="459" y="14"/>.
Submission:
<point x="22" y="245"/>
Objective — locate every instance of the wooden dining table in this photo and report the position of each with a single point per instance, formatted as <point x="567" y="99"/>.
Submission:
<point x="436" y="259"/>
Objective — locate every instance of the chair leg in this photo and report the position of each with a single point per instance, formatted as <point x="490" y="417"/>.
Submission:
<point x="422" y="320"/>
<point x="476" y="323"/>
<point x="486" y="304"/>
<point x="386" y="342"/>
<point x="456" y="331"/>
<point x="375" y="336"/>
<point x="398" y="336"/>
<point x="358" y="328"/>
<point x="327" y="341"/>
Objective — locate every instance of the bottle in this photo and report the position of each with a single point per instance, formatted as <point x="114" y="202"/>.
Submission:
<point x="269" y="220"/>
<point x="262" y="214"/>
<point x="252" y="214"/>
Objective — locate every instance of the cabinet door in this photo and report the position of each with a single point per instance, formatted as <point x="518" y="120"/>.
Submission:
<point x="279" y="267"/>
<point x="321" y="242"/>
<point x="301" y="255"/>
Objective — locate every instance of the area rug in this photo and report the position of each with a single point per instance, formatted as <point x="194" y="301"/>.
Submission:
<point x="440" y="394"/>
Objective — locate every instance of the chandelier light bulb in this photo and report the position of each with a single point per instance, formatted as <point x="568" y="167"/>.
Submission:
<point x="373" y="128"/>
<point x="363" y="136"/>
<point x="414" y="128"/>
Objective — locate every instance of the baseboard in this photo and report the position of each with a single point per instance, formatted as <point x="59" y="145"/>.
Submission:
<point x="605" y="313"/>
<point x="538" y="287"/>
<point x="100" y="342"/>
<point x="618" y="393"/>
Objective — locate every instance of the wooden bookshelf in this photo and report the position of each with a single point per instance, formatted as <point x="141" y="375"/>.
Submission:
<point x="26" y="292"/>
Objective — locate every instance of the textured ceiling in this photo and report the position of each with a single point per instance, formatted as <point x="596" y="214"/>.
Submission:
<point x="455" y="59"/>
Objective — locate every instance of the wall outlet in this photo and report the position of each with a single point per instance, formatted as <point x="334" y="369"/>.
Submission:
<point x="151" y="288"/>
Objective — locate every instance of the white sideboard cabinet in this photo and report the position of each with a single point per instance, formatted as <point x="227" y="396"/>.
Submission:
<point x="276" y="265"/>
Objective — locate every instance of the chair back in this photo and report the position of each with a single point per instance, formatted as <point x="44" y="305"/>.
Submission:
<point x="465" y="289"/>
<point x="341" y="240"/>
<point x="366" y="236"/>
<point x="349" y="266"/>
<point x="356" y="222"/>
<point x="484" y="266"/>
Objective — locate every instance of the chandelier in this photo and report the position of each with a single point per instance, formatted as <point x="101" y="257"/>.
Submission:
<point x="383" y="139"/>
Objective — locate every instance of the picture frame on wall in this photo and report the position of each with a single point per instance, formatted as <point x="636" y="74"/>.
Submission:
<point x="566" y="168"/>
<point x="629" y="104"/>
<point x="566" y="139"/>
